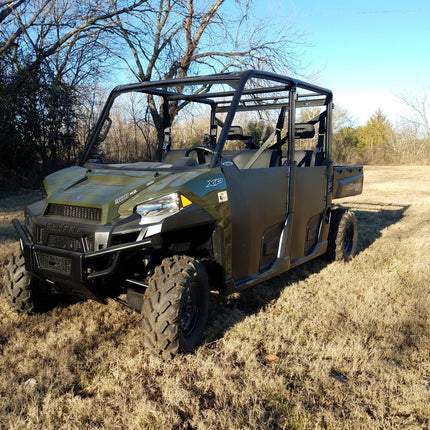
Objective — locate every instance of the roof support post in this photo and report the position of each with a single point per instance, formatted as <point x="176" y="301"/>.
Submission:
<point x="292" y="123"/>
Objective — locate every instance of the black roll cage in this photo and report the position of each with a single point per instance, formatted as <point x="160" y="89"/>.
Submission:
<point x="239" y="99"/>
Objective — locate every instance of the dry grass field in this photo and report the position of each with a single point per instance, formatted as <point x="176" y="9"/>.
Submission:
<point x="325" y="346"/>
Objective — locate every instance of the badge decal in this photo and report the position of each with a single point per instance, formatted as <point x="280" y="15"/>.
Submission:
<point x="214" y="182"/>
<point x="125" y="197"/>
<point x="122" y="198"/>
<point x="222" y="196"/>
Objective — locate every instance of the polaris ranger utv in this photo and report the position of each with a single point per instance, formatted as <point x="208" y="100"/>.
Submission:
<point x="172" y="198"/>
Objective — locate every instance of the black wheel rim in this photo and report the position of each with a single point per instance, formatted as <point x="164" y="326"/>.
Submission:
<point x="348" y="239"/>
<point x="190" y="309"/>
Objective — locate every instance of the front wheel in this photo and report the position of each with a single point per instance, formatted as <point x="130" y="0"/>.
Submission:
<point x="23" y="292"/>
<point x="343" y="235"/>
<point x="175" y="307"/>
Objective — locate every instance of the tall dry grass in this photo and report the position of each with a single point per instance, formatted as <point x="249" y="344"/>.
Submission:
<point x="323" y="346"/>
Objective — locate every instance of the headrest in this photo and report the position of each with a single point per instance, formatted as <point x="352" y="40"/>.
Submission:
<point x="304" y="130"/>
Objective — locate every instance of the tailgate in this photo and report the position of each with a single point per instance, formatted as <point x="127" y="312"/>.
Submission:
<point x="347" y="181"/>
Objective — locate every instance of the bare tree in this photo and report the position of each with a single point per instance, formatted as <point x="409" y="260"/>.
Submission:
<point x="420" y="107"/>
<point x="48" y="50"/>
<point x="68" y="42"/>
<point x="176" y="38"/>
<point x="65" y="32"/>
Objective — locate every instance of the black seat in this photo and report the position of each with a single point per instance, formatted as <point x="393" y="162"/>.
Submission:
<point x="175" y="155"/>
<point x="268" y="158"/>
<point x="305" y="158"/>
<point x="184" y="162"/>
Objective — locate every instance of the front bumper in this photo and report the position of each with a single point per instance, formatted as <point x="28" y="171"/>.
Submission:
<point x="71" y="266"/>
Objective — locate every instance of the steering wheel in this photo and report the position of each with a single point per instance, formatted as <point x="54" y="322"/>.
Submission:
<point x="200" y="152"/>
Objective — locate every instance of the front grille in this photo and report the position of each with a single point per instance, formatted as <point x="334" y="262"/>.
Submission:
<point x="79" y="244"/>
<point x="64" y="242"/>
<point x="81" y="212"/>
<point x="54" y="263"/>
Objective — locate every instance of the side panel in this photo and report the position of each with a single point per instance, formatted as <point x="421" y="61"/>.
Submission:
<point x="310" y="199"/>
<point x="258" y="202"/>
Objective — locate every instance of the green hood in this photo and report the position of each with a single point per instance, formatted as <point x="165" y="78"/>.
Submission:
<point x="116" y="191"/>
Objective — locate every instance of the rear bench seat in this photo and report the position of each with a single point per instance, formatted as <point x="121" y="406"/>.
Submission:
<point x="268" y="158"/>
<point x="303" y="158"/>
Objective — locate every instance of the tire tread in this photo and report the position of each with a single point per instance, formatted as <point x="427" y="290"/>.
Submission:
<point x="24" y="293"/>
<point x="162" y="304"/>
<point x="340" y="219"/>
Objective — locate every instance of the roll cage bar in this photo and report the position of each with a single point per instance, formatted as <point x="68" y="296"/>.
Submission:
<point x="283" y="94"/>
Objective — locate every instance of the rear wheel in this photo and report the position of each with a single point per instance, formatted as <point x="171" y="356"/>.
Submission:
<point x="23" y="292"/>
<point x="343" y="235"/>
<point x="175" y="307"/>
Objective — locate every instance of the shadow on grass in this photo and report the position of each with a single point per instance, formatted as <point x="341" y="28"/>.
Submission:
<point x="12" y="206"/>
<point x="372" y="220"/>
<point x="12" y="200"/>
<point x="225" y="312"/>
<point x="7" y="232"/>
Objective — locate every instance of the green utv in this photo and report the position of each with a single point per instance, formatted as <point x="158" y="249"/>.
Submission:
<point x="186" y="185"/>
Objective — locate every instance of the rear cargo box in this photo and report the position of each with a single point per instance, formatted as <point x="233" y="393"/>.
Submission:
<point x="347" y="181"/>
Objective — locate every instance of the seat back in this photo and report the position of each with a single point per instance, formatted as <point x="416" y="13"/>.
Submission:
<point x="305" y="158"/>
<point x="268" y="158"/>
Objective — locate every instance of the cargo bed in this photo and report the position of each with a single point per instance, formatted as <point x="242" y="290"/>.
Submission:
<point x="347" y="181"/>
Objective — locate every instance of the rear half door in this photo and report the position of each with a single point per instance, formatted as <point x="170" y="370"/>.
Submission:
<point x="309" y="206"/>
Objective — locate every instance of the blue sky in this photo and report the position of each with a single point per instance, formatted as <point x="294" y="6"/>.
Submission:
<point x="366" y="52"/>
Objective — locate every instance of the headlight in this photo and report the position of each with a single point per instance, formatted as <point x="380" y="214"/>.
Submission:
<point x="157" y="209"/>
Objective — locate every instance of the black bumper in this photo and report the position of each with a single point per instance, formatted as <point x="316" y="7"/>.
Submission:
<point x="71" y="266"/>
